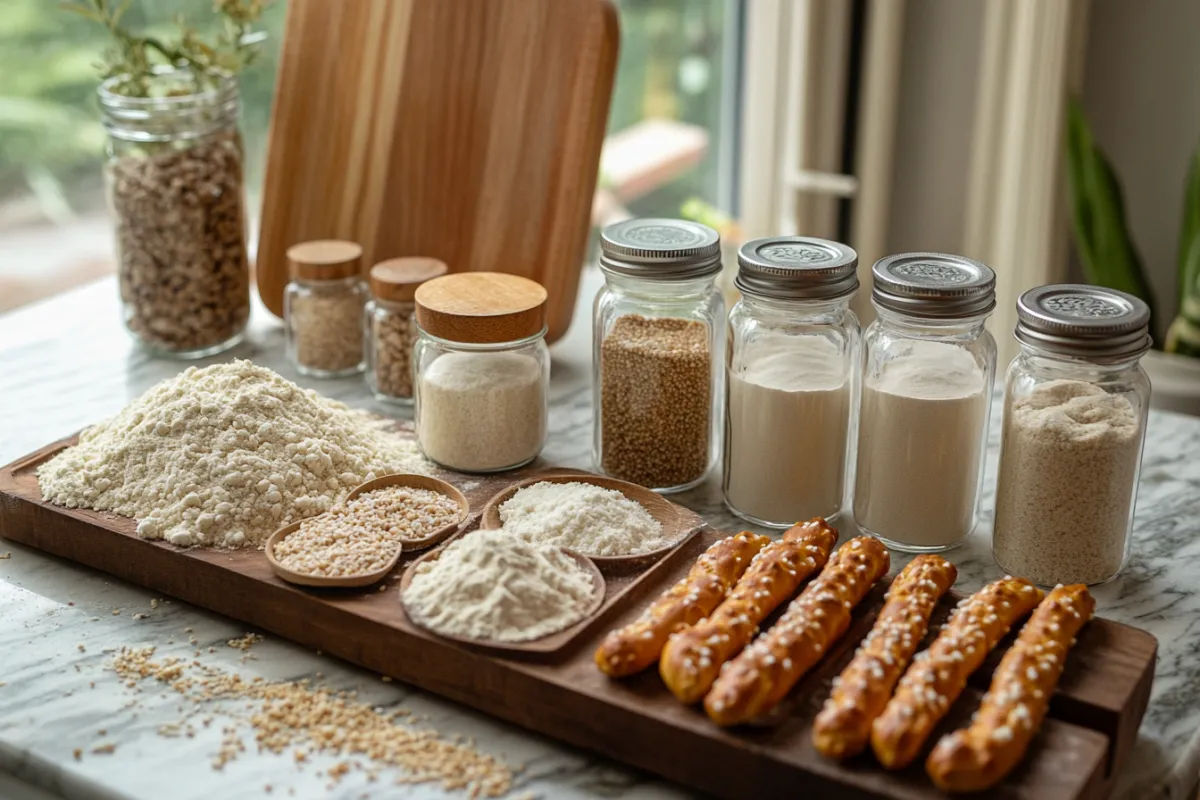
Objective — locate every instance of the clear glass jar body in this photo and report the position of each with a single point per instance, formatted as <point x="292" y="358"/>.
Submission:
<point x="1070" y="455"/>
<point x="391" y="336"/>
<point x="174" y="181"/>
<point x="657" y="359"/>
<point x="481" y="407"/>
<point x="791" y="387"/>
<point x="926" y="397"/>
<point x="324" y="325"/>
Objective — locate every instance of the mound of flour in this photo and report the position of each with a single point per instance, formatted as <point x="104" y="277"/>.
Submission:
<point x="582" y="517"/>
<point x="224" y="456"/>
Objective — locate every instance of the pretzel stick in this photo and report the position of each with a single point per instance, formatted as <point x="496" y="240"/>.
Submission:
<point x="937" y="676"/>
<point x="843" y="728"/>
<point x="977" y="757"/>
<point x="692" y="658"/>
<point x="766" y="671"/>
<point x="636" y="646"/>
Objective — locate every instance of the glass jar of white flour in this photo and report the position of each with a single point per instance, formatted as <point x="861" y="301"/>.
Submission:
<point x="1075" y="412"/>
<point x="482" y="371"/>
<point x="792" y="380"/>
<point x="928" y="370"/>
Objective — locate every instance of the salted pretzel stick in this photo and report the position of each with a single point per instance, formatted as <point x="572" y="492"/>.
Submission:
<point x="692" y="658"/>
<point x="977" y="757"/>
<point x="766" y="671"/>
<point x="937" y="676"/>
<point x="843" y="728"/>
<point x="638" y="645"/>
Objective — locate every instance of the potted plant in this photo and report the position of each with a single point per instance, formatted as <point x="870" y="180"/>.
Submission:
<point x="1110" y="259"/>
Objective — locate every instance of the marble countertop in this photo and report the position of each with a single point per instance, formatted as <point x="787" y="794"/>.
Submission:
<point x="67" y="363"/>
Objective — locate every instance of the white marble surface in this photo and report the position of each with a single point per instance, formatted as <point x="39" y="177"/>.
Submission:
<point x="67" y="363"/>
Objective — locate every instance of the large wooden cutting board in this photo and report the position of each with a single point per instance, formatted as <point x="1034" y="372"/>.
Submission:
<point x="467" y="130"/>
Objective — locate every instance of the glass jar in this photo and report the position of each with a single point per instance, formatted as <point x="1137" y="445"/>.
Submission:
<point x="792" y="380"/>
<point x="1075" y="408"/>
<point x="482" y="371"/>
<point x="657" y="355"/>
<point x="929" y="366"/>
<point x="323" y="308"/>
<point x="392" y="324"/>
<point x="174" y="182"/>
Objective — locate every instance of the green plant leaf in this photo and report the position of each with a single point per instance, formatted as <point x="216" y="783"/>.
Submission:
<point x="1189" y="231"/>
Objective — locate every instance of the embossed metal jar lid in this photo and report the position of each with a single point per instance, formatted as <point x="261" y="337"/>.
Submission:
<point x="797" y="268"/>
<point x="661" y="249"/>
<point x="934" y="285"/>
<point x="1075" y="319"/>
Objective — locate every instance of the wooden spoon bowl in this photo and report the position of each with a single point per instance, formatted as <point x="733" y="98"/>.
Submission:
<point x="322" y="581"/>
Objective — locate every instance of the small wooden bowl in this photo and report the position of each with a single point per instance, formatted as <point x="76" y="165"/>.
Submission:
<point x="321" y="581"/>
<point x="420" y="482"/>
<point x="547" y="643"/>
<point x="660" y="508"/>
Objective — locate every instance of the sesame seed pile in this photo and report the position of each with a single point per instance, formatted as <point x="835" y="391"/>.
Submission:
<point x="296" y="716"/>
<point x="361" y="535"/>
<point x="656" y="393"/>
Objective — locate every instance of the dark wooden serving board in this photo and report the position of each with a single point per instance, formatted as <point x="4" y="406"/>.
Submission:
<point x="1093" y="721"/>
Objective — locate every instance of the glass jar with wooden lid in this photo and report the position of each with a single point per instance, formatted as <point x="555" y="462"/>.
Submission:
<point x="392" y="325"/>
<point x="482" y="370"/>
<point x="323" y="308"/>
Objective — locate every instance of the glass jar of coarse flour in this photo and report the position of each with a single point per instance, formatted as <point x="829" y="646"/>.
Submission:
<point x="482" y="370"/>
<point x="1075" y="410"/>
<point x="323" y="308"/>
<point x="928" y="370"/>
<point x="792" y="380"/>
<point x="658" y="337"/>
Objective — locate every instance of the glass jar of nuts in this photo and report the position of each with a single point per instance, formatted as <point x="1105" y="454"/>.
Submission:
<point x="392" y="326"/>
<point x="323" y="308"/>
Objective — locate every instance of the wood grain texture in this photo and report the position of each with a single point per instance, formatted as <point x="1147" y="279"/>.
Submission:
<point x="464" y="130"/>
<point x="1095" y="712"/>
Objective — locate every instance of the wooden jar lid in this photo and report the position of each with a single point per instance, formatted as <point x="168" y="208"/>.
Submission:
<point x="397" y="279"/>
<point x="481" y="307"/>
<point x="324" y="260"/>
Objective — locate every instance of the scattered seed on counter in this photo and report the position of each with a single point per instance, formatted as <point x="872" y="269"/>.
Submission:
<point x="245" y="642"/>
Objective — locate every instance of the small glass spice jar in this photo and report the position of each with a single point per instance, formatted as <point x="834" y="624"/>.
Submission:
<point x="928" y="370"/>
<point x="323" y="308"/>
<point x="792" y="380"/>
<point x="1075" y="407"/>
<point x="658" y="333"/>
<point x="482" y="371"/>
<point x="392" y="324"/>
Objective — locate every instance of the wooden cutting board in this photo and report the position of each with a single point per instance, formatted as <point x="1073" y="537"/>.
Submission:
<point x="466" y="130"/>
<point x="1087" y="737"/>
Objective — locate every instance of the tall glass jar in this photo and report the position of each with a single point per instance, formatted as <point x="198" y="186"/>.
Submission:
<point x="323" y="308"/>
<point x="657" y="355"/>
<point x="792" y="380"/>
<point x="175" y="189"/>
<point x="482" y="371"/>
<point x="1075" y="410"/>
<point x="929" y="366"/>
<point x="392" y="324"/>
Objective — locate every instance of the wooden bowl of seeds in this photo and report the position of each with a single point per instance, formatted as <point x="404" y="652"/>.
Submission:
<point x="425" y="482"/>
<point x="301" y="578"/>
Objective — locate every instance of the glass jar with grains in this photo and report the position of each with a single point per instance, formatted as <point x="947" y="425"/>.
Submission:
<point x="323" y="308"/>
<point x="1075" y="410"/>
<point x="928" y="370"/>
<point x="658" y="325"/>
<point x="792" y="380"/>
<point x="392" y="324"/>
<point x="175" y="188"/>
<point x="482" y="371"/>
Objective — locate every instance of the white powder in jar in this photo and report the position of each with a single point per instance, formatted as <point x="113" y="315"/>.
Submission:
<point x="1068" y="468"/>
<point x="789" y="407"/>
<point x="482" y="412"/>
<point x="919" y="442"/>
<point x="583" y="517"/>
<point x="490" y="584"/>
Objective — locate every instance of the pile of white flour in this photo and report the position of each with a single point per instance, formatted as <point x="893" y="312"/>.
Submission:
<point x="581" y="517"/>
<point x="224" y="456"/>
<point x="492" y="585"/>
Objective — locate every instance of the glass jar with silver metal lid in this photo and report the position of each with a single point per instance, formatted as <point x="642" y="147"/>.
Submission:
<point x="792" y="380"/>
<point x="1075" y="410"/>
<point x="658" y="334"/>
<point x="927" y="375"/>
